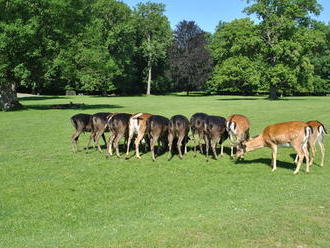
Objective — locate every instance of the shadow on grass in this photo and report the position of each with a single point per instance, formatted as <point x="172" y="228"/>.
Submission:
<point x="259" y="98"/>
<point x="34" y="98"/>
<point x="268" y="161"/>
<point x="81" y="106"/>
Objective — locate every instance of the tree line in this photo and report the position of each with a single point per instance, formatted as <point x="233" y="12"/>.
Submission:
<point x="104" y="46"/>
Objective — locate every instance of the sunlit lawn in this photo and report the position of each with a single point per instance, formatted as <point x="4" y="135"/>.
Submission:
<point x="50" y="197"/>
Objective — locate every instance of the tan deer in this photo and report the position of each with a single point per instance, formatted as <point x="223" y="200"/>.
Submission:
<point x="137" y="126"/>
<point x="319" y="132"/>
<point x="292" y="133"/>
<point x="238" y="127"/>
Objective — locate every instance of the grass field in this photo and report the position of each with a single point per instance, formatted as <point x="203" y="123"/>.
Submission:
<point x="50" y="197"/>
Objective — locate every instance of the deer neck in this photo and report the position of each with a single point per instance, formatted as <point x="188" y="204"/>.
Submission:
<point x="255" y="143"/>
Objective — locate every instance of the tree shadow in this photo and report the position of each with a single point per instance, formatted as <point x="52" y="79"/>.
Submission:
<point x="240" y="99"/>
<point x="74" y="106"/>
<point x="258" y="98"/>
<point x="34" y="98"/>
<point x="268" y="161"/>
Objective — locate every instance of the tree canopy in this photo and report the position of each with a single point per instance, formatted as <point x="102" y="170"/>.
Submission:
<point x="104" y="46"/>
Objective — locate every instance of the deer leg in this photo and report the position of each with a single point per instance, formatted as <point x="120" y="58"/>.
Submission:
<point x="179" y="144"/>
<point x="99" y="134"/>
<point x="206" y="146"/>
<point x="116" y="143"/>
<point x="170" y="141"/>
<point x="153" y="141"/>
<point x="306" y="154"/>
<point x="74" y="140"/>
<point x="274" y="154"/>
<point x="130" y="136"/>
<point x="312" y="154"/>
<point x="185" y="144"/>
<point x="322" y="148"/>
<point x="137" y="143"/>
<point x="110" y="143"/>
<point x="301" y="154"/>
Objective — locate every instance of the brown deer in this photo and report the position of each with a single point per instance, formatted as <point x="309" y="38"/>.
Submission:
<point x="178" y="129"/>
<point x="137" y="126"/>
<point x="197" y="122"/>
<point x="81" y="123"/>
<point x="238" y="127"/>
<point x="214" y="132"/>
<point x="118" y="126"/>
<point x="157" y="130"/>
<point x="99" y="126"/>
<point x="319" y="132"/>
<point x="294" y="133"/>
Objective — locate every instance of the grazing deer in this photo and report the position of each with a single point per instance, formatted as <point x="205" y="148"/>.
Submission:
<point x="197" y="122"/>
<point x="99" y="126"/>
<point x="137" y="126"/>
<point x="118" y="126"/>
<point x="157" y="129"/>
<point x="81" y="123"/>
<point x="214" y="132"/>
<point x="319" y="132"/>
<point x="178" y="129"/>
<point x="294" y="133"/>
<point x="238" y="127"/>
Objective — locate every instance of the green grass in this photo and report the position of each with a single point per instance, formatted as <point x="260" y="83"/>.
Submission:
<point x="50" y="197"/>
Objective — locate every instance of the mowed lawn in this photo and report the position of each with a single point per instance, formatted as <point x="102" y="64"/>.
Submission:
<point x="50" y="197"/>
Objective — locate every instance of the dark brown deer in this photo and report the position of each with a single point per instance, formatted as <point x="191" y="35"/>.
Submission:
<point x="215" y="132"/>
<point x="178" y="129"/>
<point x="81" y="123"/>
<point x="99" y="126"/>
<point x="157" y="130"/>
<point x="197" y="122"/>
<point x="118" y="126"/>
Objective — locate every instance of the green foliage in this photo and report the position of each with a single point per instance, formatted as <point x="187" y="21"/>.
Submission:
<point x="153" y="35"/>
<point x="105" y="48"/>
<point x="236" y="74"/>
<point x="276" y="55"/>
<point x="235" y="49"/>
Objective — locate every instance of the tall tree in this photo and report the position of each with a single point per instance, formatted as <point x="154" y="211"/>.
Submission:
<point x="155" y="34"/>
<point x="31" y="35"/>
<point x="106" y="47"/>
<point x="235" y="48"/>
<point x="189" y="57"/>
<point x="284" y="27"/>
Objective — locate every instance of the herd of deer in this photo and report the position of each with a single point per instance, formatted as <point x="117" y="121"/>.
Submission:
<point x="156" y="129"/>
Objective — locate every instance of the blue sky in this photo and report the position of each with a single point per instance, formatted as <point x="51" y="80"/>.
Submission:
<point x="207" y="13"/>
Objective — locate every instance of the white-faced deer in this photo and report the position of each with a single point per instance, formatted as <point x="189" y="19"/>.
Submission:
<point x="238" y="127"/>
<point x="318" y="134"/>
<point x="137" y="126"/>
<point x="293" y="133"/>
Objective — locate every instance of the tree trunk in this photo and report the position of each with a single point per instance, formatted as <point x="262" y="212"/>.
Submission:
<point x="149" y="80"/>
<point x="8" y="97"/>
<point x="273" y="93"/>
